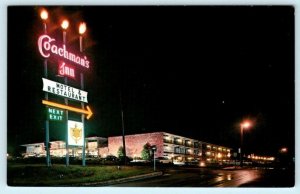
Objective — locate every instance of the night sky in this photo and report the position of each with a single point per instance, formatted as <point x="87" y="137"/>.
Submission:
<point x="189" y="70"/>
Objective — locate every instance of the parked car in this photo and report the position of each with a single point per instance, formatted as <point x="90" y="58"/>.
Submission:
<point x="178" y="163"/>
<point x="192" y="163"/>
<point x="139" y="160"/>
<point x="111" y="158"/>
<point x="163" y="160"/>
<point x="122" y="158"/>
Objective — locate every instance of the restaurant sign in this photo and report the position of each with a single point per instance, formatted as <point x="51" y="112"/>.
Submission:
<point x="64" y="90"/>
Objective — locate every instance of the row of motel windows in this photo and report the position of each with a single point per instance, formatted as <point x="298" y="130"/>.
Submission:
<point x="181" y="150"/>
<point x="188" y="143"/>
<point x="215" y="148"/>
<point x="218" y="155"/>
<point x="179" y="141"/>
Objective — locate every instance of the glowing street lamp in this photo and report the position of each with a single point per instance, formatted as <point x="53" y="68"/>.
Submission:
<point x="44" y="17"/>
<point x="244" y="125"/>
<point x="283" y="150"/>
<point x="82" y="29"/>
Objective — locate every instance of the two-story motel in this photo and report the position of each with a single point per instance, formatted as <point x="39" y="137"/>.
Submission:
<point x="168" y="145"/>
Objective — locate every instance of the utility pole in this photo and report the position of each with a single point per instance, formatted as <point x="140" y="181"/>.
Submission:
<point x="123" y="128"/>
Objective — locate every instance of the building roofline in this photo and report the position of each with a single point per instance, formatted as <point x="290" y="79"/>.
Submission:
<point x="137" y="134"/>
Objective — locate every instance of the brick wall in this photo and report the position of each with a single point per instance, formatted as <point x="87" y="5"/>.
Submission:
<point x="135" y="143"/>
<point x="103" y="152"/>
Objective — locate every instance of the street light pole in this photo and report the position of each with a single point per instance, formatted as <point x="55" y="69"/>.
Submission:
<point x="123" y="129"/>
<point x="241" y="148"/>
<point x="244" y="125"/>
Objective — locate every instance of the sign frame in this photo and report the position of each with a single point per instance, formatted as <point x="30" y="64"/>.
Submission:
<point x="75" y="133"/>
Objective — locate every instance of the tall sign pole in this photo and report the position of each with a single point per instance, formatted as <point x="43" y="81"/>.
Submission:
<point x="44" y="16"/>
<point x="82" y="29"/>
<point x="65" y="25"/>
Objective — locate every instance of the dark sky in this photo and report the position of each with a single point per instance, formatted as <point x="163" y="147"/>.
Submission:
<point x="188" y="70"/>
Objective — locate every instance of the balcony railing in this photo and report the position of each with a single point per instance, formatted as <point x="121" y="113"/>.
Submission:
<point x="178" y="142"/>
<point x="168" y="141"/>
<point x="188" y="144"/>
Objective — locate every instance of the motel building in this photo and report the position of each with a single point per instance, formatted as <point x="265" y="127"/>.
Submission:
<point x="171" y="146"/>
<point x="58" y="148"/>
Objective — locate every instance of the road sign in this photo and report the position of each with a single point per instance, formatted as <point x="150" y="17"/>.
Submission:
<point x="55" y="114"/>
<point x="88" y="112"/>
<point x="64" y="90"/>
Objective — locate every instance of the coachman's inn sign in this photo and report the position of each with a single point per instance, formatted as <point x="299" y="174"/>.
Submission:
<point x="47" y="47"/>
<point x="67" y="61"/>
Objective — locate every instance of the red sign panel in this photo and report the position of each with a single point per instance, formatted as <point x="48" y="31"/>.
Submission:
<point x="66" y="70"/>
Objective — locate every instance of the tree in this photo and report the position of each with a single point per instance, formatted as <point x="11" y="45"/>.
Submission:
<point x="146" y="152"/>
<point x="121" y="152"/>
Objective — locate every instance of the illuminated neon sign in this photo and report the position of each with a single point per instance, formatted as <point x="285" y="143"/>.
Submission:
<point x="55" y="114"/>
<point x="47" y="46"/>
<point x="64" y="90"/>
<point x="88" y="111"/>
<point x="65" y="70"/>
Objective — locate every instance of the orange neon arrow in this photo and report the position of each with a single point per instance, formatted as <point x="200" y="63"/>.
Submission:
<point x="88" y="112"/>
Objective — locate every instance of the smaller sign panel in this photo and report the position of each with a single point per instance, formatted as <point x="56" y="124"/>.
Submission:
<point x="55" y="114"/>
<point x="66" y="70"/>
<point x="64" y="90"/>
<point x="75" y="133"/>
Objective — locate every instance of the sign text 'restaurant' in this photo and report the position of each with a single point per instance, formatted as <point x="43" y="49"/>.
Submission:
<point x="64" y="90"/>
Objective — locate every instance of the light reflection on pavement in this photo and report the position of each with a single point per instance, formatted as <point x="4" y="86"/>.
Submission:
<point x="202" y="177"/>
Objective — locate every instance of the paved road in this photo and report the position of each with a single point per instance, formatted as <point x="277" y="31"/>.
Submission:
<point x="202" y="177"/>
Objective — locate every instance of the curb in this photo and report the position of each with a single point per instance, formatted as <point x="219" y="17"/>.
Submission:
<point x="122" y="180"/>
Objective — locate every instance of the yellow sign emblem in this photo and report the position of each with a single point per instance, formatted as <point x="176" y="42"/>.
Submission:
<point x="76" y="133"/>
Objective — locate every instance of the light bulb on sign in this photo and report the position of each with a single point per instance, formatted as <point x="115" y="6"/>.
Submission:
<point x="65" y="24"/>
<point x="44" y="14"/>
<point x="82" y="28"/>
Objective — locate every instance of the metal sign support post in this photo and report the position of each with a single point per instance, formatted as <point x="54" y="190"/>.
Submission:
<point x="48" y="161"/>
<point x="47" y="123"/>
<point x="82" y="120"/>
<point x="67" y="112"/>
<point x="82" y="104"/>
<point x="67" y="117"/>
